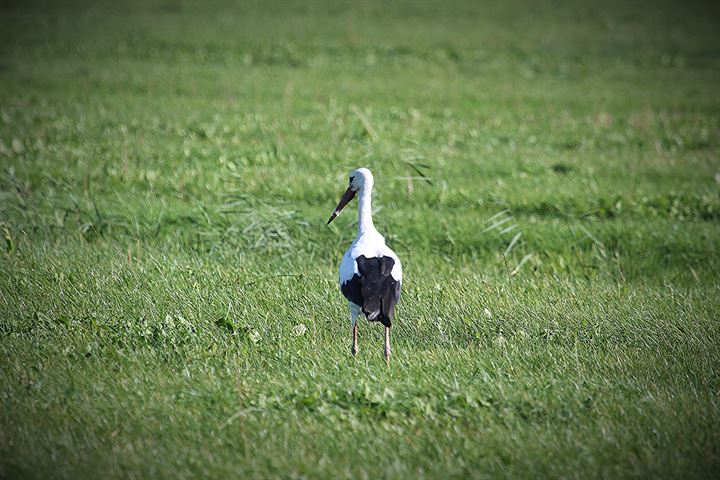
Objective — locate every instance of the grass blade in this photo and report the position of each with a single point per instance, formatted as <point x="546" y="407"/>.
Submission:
<point x="512" y="244"/>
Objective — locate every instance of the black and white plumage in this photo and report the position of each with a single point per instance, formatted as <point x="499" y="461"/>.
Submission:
<point x="370" y="272"/>
<point x="373" y="288"/>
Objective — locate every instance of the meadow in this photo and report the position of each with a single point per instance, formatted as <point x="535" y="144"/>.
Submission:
<point x="548" y="173"/>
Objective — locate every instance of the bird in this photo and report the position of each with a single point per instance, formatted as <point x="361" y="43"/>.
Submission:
<point x="370" y="272"/>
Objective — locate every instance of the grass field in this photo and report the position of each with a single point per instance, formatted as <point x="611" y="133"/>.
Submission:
<point x="168" y="287"/>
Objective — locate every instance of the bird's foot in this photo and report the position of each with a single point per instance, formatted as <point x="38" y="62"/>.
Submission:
<point x="354" y="350"/>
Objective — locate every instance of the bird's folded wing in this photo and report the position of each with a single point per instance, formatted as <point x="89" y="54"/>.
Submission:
<point x="380" y="291"/>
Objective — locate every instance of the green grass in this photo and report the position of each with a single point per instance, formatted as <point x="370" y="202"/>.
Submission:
<point x="168" y="297"/>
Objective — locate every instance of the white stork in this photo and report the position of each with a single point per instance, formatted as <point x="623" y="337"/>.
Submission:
<point x="370" y="273"/>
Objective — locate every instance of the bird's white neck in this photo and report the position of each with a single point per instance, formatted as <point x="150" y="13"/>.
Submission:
<point x="365" y="222"/>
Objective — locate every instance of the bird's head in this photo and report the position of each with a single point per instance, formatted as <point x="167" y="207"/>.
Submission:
<point x="360" y="179"/>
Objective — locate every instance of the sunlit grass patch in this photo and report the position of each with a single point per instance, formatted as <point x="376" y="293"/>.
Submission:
<point x="168" y="296"/>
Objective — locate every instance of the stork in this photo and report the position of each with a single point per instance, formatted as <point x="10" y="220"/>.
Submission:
<point x="370" y="273"/>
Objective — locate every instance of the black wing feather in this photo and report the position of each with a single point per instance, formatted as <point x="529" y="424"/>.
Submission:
<point x="374" y="289"/>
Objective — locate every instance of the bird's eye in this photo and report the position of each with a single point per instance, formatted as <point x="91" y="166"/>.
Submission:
<point x="351" y="179"/>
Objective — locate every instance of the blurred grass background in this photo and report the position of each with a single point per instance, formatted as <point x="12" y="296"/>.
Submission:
<point x="547" y="173"/>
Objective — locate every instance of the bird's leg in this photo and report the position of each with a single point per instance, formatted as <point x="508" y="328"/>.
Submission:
<point x="387" y="345"/>
<point x="354" y="348"/>
<point x="354" y="313"/>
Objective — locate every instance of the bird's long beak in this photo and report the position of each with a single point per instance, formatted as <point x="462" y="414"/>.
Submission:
<point x="347" y="196"/>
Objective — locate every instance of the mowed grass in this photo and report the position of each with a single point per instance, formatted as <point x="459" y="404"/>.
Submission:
<point x="547" y="173"/>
